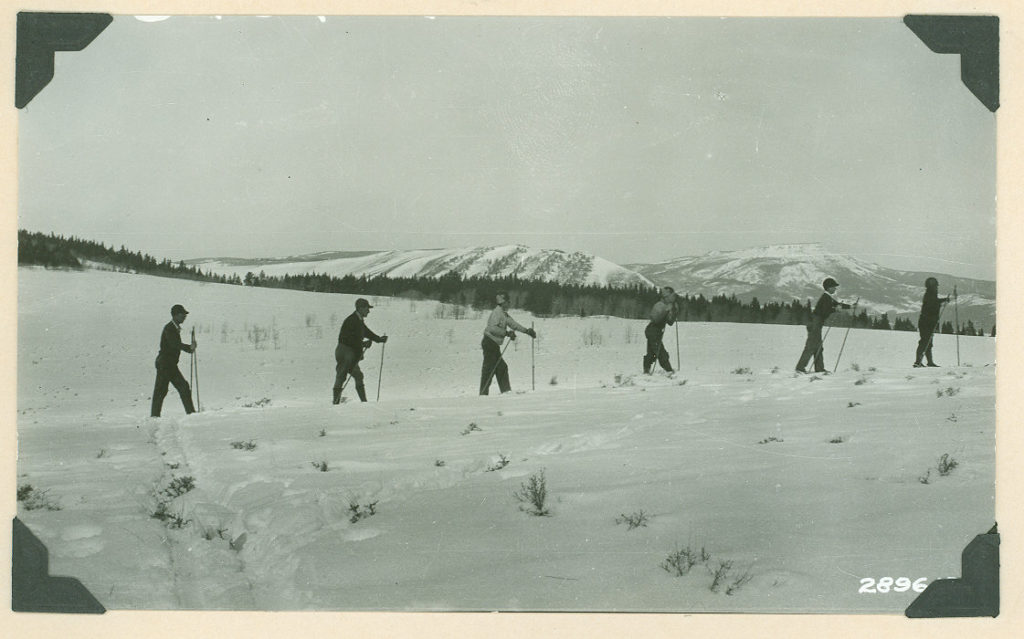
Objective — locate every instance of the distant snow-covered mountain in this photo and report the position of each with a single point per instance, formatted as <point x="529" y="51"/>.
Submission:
<point x="795" y="271"/>
<point x="495" y="261"/>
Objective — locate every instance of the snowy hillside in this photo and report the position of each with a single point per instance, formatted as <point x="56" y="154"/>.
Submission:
<point x="795" y="271"/>
<point x="796" y="488"/>
<point x="498" y="261"/>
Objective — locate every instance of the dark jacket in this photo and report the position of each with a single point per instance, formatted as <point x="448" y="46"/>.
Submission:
<point x="826" y="306"/>
<point x="354" y="331"/>
<point x="171" y="347"/>
<point x="931" y="307"/>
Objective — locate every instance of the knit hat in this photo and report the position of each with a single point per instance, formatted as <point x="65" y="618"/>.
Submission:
<point x="829" y="283"/>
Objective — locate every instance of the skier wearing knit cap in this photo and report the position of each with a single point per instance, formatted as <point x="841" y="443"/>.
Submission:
<point x="813" y="348"/>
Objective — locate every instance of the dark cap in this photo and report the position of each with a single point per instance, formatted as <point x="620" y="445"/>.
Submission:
<point x="829" y="283"/>
<point x="362" y="303"/>
<point x="178" y="308"/>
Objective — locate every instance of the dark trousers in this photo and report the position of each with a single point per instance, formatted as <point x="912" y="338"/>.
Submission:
<point x="924" y="345"/>
<point x="172" y="376"/>
<point x="655" y="348"/>
<point x="347" y="364"/>
<point x="813" y="348"/>
<point x="494" y="366"/>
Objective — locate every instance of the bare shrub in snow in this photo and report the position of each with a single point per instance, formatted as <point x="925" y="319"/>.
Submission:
<point x="681" y="560"/>
<point x="179" y="486"/>
<point x="720" y="574"/>
<point x="592" y="337"/>
<point x="240" y="445"/>
<point x="361" y="512"/>
<point x="838" y="439"/>
<point x="533" y="493"/>
<point x="926" y="477"/>
<point x="469" y="429"/>
<point x="498" y="465"/>
<point x="739" y="582"/>
<point x="852" y="404"/>
<point x="769" y="440"/>
<point x="863" y="379"/>
<point x="633" y="520"/>
<point x="946" y="464"/>
<point x="33" y="499"/>
<point x="554" y="380"/>
<point x="743" y="370"/>
<point x="439" y="463"/>
<point x="321" y="466"/>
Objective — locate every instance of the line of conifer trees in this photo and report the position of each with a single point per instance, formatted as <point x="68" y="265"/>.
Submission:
<point x="538" y="297"/>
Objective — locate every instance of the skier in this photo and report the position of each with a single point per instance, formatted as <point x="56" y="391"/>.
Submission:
<point x="167" y="363"/>
<point x="931" y="308"/>
<point x="827" y="304"/>
<point x="353" y="340"/>
<point x="664" y="312"/>
<point x="498" y="328"/>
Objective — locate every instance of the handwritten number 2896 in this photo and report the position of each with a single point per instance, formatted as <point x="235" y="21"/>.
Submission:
<point x="869" y="585"/>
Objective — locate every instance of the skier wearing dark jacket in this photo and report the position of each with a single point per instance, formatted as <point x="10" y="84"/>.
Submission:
<point x="931" y="309"/>
<point x="167" y="363"/>
<point x="353" y="339"/>
<point x="664" y="312"/>
<point x="827" y="304"/>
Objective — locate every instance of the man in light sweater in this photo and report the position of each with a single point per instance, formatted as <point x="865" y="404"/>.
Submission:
<point x="499" y="326"/>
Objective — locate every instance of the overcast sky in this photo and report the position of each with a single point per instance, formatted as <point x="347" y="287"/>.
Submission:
<point x="637" y="139"/>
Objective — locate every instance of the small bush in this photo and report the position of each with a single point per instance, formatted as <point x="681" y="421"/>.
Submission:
<point x="472" y="427"/>
<point x="855" y="367"/>
<point x="321" y="466"/>
<point x="554" y="380"/>
<point x="926" y="477"/>
<point x="852" y="404"/>
<point x="946" y="464"/>
<point x="861" y="381"/>
<point x="323" y="432"/>
<point x="838" y="439"/>
<point x="179" y="486"/>
<point x="948" y="392"/>
<point x="633" y="520"/>
<point x="681" y="560"/>
<point x="592" y="337"/>
<point x="775" y="370"/>
<point x="533" y="493"/>
<point x="33" y="499"/>
<point x="739" y="582"/>
<point x="259" y="403"/>
<point x="768" y="440"/>
<point x="720" y="574"/>
<point x="439" y="463"/>
<point x="361" y="512"/>
<point x="498" y="465"/>
<point x="742" y="371"/>
<point x="240" y="445"/>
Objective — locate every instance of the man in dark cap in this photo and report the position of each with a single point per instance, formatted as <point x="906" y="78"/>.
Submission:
<point x="167" y="363"/>
<point x="827" y="304"/>
<point x="353" y="340"/>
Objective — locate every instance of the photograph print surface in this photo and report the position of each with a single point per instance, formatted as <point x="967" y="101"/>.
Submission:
<point x="624" y="314"/>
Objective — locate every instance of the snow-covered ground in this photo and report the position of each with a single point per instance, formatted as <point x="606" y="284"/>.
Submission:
<point x="803" y="485"/>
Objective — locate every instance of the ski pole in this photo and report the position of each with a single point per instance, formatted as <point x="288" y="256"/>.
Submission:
<point x="195" y="361"/>
<point x="845" y="336"/>
<point x="501" y="356"/>
<point x="956" y="316"/>
<point x="678" y="360"/>
<point x="381" y="373"/>
<point x="533" y="364"/>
